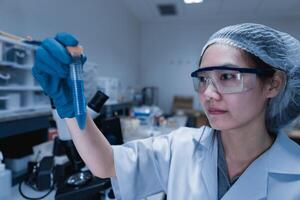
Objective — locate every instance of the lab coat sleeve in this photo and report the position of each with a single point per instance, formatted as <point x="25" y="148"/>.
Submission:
<point x="142" y="167"/>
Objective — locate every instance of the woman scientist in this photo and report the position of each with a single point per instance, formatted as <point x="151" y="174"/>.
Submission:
<point x="248" y="83"/>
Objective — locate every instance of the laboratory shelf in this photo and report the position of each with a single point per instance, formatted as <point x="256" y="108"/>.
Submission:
<point x="20" y="88"/>
<point x="17" y="42"/>
<point x="19" y="91"/>
<point x="15" y="65"/>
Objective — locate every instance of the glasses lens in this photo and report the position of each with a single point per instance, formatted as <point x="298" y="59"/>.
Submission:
<point x="201" y="82"/>
<point x="226" y="81"/>
<point x="196" y="82"/>
<point x="249" y="81"/>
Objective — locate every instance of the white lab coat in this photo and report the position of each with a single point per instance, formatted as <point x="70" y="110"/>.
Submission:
<point x="183" y="164"/>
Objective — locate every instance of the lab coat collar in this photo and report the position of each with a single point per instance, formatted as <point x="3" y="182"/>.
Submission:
<point x="209" y="168"/>
<point x="283" y="158"/>
<point x="207" y="137"/>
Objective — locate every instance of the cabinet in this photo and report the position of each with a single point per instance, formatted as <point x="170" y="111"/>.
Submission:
<point x="20" y="95"/>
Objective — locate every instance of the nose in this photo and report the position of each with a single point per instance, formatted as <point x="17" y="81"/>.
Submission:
<point x="211" y="92"/>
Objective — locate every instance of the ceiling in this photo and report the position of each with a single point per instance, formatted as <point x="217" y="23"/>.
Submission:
<point x="147" y="11"/>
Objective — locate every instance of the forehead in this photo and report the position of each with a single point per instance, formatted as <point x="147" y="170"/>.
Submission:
<point x="221" y="54"/>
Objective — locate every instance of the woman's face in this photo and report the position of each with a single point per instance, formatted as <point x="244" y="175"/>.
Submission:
<point x="236" y="110"/>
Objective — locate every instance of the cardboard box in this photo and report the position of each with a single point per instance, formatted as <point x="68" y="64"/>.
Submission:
<point x="182" y="105"/>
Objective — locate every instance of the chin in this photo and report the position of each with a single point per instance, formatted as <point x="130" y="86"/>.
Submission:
<point x="221" y="124"/>
<point x="218" y="127"/>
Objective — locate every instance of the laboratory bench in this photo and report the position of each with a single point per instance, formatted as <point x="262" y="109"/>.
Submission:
<point x="19" y="132"/>
<point x="20" y="122"/>
<point x="19" y="126"/>
<point x="61" y="193"/>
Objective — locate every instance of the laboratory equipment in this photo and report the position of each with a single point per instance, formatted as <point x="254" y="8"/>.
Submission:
<point x="228" y="78"/>
<point x="77" y="183"/>
<point x="94" y="107"/>
<point x="5" y="180"/>
<point x="76" y="75"/>
<point x="150" y="96"/>
<point x="110" y="86"/>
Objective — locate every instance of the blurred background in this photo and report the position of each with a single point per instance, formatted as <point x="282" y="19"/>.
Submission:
<point x="140" y="54"/>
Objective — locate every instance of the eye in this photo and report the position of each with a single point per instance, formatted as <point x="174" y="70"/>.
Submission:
<point x="202" y="79"/>
<point x="227" y="76"/>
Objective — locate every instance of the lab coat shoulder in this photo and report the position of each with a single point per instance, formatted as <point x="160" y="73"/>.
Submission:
<point x="284" y="173"/>
<point x="275" y="175"/>
<point x="143" y="166"/>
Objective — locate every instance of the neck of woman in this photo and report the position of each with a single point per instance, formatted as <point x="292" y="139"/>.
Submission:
<point x="243" y="145"/>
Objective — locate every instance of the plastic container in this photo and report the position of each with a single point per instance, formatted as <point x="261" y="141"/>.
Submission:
<point x="76" y="73"/>
<point x="5" y="180"/>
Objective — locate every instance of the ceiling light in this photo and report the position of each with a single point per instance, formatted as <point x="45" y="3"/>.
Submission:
<point x="192" y="1"/>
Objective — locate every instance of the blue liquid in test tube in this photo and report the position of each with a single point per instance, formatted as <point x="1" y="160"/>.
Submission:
<point x="76" y="73"/>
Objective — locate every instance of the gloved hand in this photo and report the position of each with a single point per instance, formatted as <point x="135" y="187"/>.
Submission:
<point x="51" y="70"/>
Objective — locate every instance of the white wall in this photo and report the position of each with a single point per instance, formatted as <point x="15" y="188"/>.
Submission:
<point x="170" y="52"/>
<point x="151" y="54"/>
<point x="107" y="30"/>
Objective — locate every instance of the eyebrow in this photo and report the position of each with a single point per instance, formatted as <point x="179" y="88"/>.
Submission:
<point x="224" y="64"/>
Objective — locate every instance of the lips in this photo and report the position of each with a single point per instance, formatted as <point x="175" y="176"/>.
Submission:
<point x="215" y="111"/>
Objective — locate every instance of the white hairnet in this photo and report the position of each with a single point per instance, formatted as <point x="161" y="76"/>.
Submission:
<point x="277" y="49"/>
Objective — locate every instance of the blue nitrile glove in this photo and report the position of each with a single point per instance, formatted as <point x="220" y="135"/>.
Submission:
<point x="51" y="70"/>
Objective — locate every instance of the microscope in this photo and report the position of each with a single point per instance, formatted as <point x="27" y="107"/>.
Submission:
<point x="74" y="180"/>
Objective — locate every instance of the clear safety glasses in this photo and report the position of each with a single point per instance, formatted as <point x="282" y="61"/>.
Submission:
<point x="228" y="79"/>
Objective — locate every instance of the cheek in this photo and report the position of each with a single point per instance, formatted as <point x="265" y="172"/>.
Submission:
<point x="203" y="101"/>
<point x="201" y="98"/>
<point x="245" y="106"/>
<point x="242" y="108"/>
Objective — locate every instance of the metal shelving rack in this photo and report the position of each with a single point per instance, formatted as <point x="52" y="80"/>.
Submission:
<point x="19" y="93"/>
<point x="24" y="109"/>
